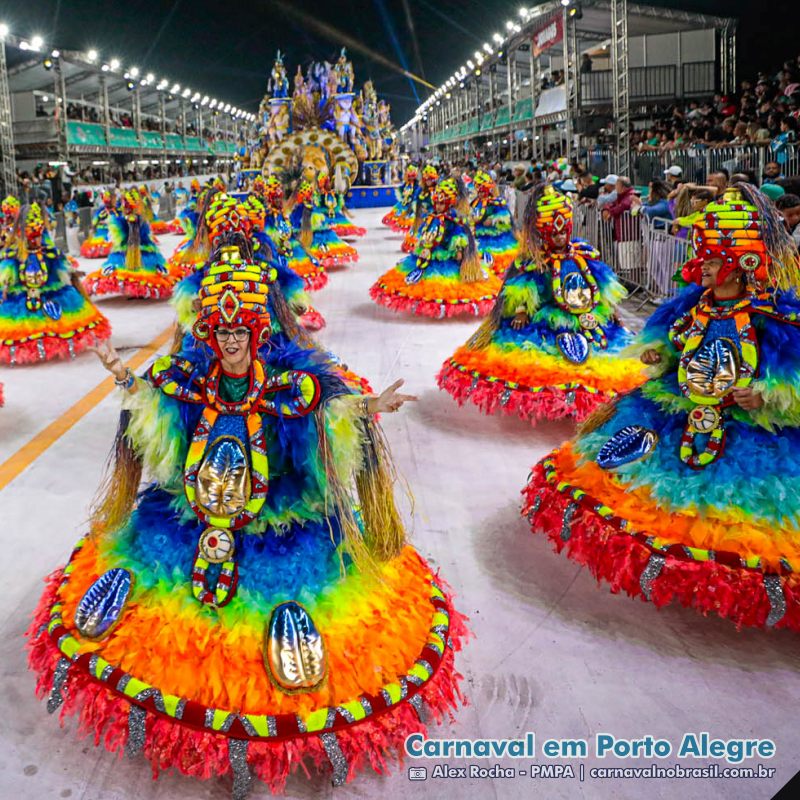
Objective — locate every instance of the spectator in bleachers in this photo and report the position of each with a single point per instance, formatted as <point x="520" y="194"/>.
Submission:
<point x="772" y="173"/>
<point x="657" y="204"/>
<point x="690" y="207"/>
<point x="608" y="191"/>
<point x="789" y="206"/>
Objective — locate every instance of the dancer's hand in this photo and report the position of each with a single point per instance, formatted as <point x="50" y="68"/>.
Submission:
<point x="110" y="359"/>
<point x="520" y="320"/>
<point x="389" y="400"/>
<point x="651" y="357"/>
<point x="748" y="398"/>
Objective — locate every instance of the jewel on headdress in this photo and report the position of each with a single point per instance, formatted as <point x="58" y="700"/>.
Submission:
<point x="229" y="305"/>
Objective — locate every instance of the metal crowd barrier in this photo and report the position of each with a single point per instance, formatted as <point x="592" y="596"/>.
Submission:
<point x="698" y="162"/>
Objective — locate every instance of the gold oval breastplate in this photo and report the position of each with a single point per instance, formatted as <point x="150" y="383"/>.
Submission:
<point x="577" y="293"/>
<point x="714" y="368"/>
<point x="223" y="480"/>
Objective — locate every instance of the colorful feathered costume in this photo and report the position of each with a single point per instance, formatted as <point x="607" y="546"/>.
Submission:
<point x="279" y="229"/>
<point x="313" y="232"/>
<point x="331" y="205"/>
<point x="401" y="217"/>
<point x="44" y="313"/>
<point x="98" y="244"/>
<point x="551" y="348"/>
<point x="493" y="225"/>
<point x="255" y="610"/>
<point x="423" y="206"/>
<point x="444" y="277"/>
<point x="676" y="492"/>
<point x="135" y="266"/>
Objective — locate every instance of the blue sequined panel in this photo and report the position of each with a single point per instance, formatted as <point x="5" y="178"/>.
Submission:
<point x="630" y="444"/>
<point x="574" y="347"/>
<point x="103" y="603"/>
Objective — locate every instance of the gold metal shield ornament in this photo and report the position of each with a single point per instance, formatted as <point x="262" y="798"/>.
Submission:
<point x="295" y="651"/>
<point x="577" y="293"/>
<point x="223" y="480"/>
<point x="714" y="368"/>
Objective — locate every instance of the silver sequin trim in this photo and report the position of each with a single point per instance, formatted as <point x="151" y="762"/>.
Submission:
<point x="136" y="731"/>
<point x="123" y="682"/>
<point x="209" y="719"/>
<point x="566" y="521"/>
<point x="366" y="705"/>
<point x="106" y="673"/>
<point x="777" y="600"/>
<point x="301" y="726"/>
<point x="650" y="573"/>
<point x="505" y="397"/>
<point x="336" y="757"/>
<point x="242" y="779"/>
<point x="56" y="697"/>
<point x="416" y="703"/>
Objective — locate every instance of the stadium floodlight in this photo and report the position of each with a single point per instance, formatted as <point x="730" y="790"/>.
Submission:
<point x="498" y="38"/>
<point x="105" y="68"/>
<point x="114" y="64"/>
<point x="134" y="72"/>
<point x="565" y="2"/>
<point x="56" y="54"/>
<point x="186" y="93"/>
<point x="487" y="47"/>
<point x="37" y="42"/>
<point x="470" y="65"/>
<point x="4" y="30"/>
<point x="523" y="11"/>
<point x="92" y="55"/>
<point x="150" y="77"/>
<point x="510" y="25"/>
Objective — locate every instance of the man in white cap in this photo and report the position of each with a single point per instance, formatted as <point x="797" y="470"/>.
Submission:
<point x="608" y="194"/>
<point x="673" y="176"/>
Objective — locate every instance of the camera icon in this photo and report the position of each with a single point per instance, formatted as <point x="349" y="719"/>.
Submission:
<point x="417" y="773"/>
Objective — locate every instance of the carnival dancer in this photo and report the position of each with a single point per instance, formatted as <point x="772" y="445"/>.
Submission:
<point x="313" y="232"/>
<point x="278" y="227"/>
<point x="494" y="227"/>
<point x="551" y="347"/>
<point x="331" y="205"/>
<point x="444" y="276"/>
<point x="401" y="217"/>
<point x="135" y="266"/>
<point x="98" y="244"/>
<point x="423" y="206"/>
<point x="44" y="313"/>
<point x="255" y="611"/>
<point x="686" y="489"/>
<point x="266" y="252"/>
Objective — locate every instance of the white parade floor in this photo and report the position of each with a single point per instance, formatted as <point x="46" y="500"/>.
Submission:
<point x="553" y="652"/>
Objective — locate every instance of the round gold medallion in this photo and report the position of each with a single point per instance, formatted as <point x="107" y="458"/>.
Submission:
<point x="704" y="419"/>
<point x="216" y="545"/>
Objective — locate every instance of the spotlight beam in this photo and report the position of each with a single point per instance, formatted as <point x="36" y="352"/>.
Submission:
<point x="343" y="38"/>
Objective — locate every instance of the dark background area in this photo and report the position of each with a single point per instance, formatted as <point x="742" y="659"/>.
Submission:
<point x="226" y="49"/>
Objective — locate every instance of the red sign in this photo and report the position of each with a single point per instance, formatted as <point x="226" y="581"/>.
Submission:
<point x="552" y="32"/>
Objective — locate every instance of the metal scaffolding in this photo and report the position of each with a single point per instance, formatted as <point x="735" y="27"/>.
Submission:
<point x="8" y="172"/>
<point x="621" y="84"/>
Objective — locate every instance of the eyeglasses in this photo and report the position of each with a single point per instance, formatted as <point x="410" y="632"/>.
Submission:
<point x="238" y="335"/>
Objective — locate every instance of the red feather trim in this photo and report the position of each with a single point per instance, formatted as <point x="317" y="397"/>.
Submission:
<point x="619" y="559"/>
<point x="55" y="347"/>
<point x="488" y="396"/>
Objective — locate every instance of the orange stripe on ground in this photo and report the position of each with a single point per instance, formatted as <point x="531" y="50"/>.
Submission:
<point x="31" y="450"/>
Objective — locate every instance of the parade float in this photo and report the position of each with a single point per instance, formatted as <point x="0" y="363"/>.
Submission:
<point x="321" y="123"/>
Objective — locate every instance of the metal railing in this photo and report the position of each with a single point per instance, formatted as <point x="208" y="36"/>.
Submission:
<point x="700" y="161"/>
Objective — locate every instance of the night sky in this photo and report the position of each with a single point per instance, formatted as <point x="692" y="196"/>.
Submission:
<point x="225" y="49"/>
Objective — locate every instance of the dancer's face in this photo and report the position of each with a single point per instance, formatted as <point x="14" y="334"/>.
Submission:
<point x="234" y="345"/>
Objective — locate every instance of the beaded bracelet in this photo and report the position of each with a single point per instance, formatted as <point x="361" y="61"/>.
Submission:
<point x="126" y="382"/>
